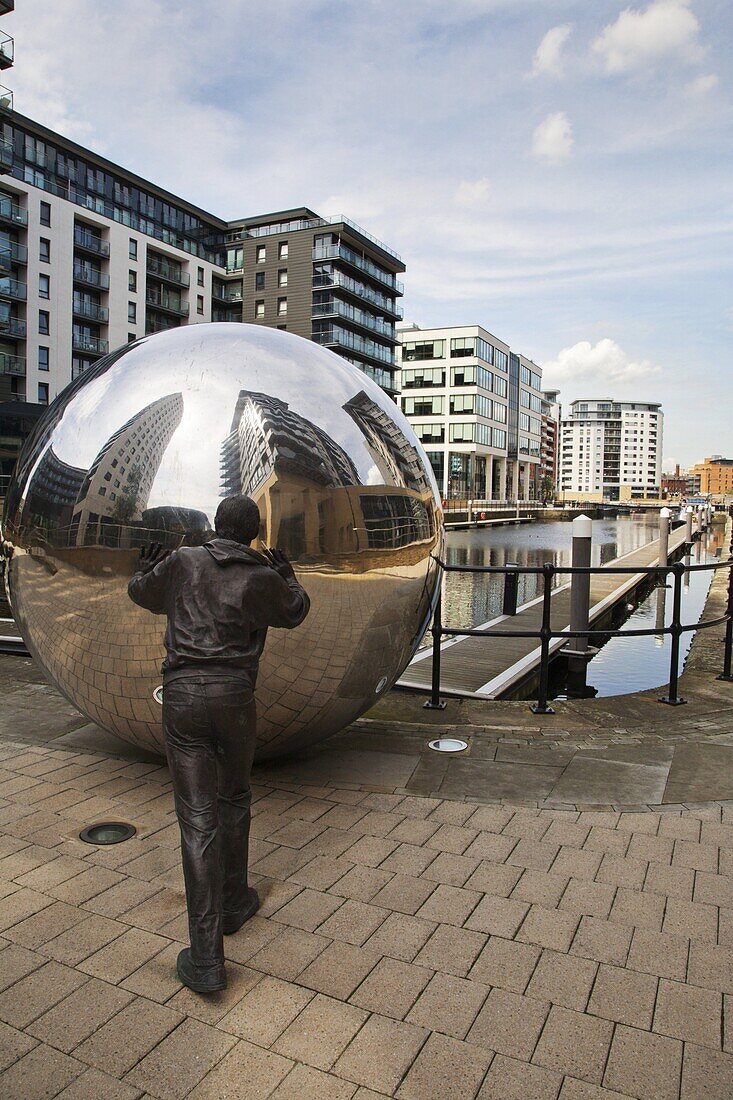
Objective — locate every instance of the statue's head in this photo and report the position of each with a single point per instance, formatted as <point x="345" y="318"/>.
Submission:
<point x="237" y="518"/>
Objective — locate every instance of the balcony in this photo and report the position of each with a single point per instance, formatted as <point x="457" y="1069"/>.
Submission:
<point x="335" y="308"/>
<point x="6" y="98"/>
<point x="88" y="241"/>
<point x="166" y="302"/>
<point x="11" y="213"/>
<point x="12" y="364"/>
<point x="12" y="328"/>
<point x="359" y="290"/>
<point x="90" y="311"/>
<point x="158" y="325"/>
<point x="361" y="263"/>
<point x="12" y="253"/>
<point x="7" y="50"/>
<point x="91" y="345"/>
<point x="11" y="288"/>
<point x="90" y="276"/>
<point x="6" y="155"/>
<point x="167" y="272"/>
<point x="227" y="294"/>
<point x="6" y="6"/>
<point x="334" y="335"/>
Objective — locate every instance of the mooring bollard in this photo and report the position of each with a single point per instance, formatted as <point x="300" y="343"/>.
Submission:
<point x="688" y="527"/>
<point x="664" y="518"/>
<point x="578" y="652"/>
<point x="699" y="522"/>
<point x="511" y="588"/>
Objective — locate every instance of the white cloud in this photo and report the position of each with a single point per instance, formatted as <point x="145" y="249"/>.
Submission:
<point x="600" y="365"/>
<point x="548" y="59"/>
<point x="553" y="138"/>
<point x="701" y="85"/>
<point x="473" y="192"/>
<point x="641" y="37"/>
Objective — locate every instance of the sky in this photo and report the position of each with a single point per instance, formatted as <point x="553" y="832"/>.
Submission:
<point x="558" y="171"/>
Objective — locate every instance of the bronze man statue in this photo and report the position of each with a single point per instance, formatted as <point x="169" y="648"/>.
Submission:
<point x="219" y="600"/>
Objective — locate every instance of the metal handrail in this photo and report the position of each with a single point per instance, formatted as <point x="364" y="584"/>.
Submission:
<point x="546" y="634"/>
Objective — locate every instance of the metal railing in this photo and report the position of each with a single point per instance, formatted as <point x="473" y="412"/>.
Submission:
<point x="546" y="634"/>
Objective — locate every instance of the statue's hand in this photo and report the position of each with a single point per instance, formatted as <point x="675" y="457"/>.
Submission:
<point x="280" y="562"/>
<point x="150" y="556"/>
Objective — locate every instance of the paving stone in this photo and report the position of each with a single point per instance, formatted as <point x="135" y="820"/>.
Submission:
<point x="639" y="909"/>
<point x="289" y="953"/>
<point x="13" y="1045"/>
<point x="506" y="963"/>
<point x="37" y="992"/>
<point x="706" y="1074"/>
<point x="491" y="846"/>
<point x="123" y="956"/>
<point x="691" y="919"/>
<point x="369" y="851"/>
<point x="602" y="839"/>
<point x="264" y="1013"/>
<point x="83" y="939"/>
<point x="575" y="1044"/>
<point x="509" y="1024"/>
<point x="451" y="870"/>
<point x="711" y="889"/>
<point x="540" y="888"/>
<point x="156" y="978"/>
<point x="20" y="905"/>
<point x="498" y="916"/>
<point x="121" y="897"/>
<point x="16" y="962"/>
<point x="41" y="1073"/>
<point x="75" y="1018"/>
<point x="592" y="899"/>
<point x="414" y="831"/>
<point x="653" y="849"/>
<point x="120" y="1043"/>
<point x="402" y="936"/>
<point x="354" y="922"/>
<point x="404" y="894"/>
<point x="306" y="1083"/>
<point x="625" y="996"/>
<point x="339" y="969"/>
<point x="564" y="980"/>
<point x="600" y="940"/>
<point x="451" y="838"/>
<point x="445" y="1069"/>
<point x="321" y="1032"/>
<point x="391" y="988"/>
<point x="675" y="882"/>
<point x="658" y="953"/>
<point x="573" y="1089"/>
<point x="449" y="905"/>
<point x="690" y="1013"/>
<point x="321" y="872"/>
<point x="711" y="966"/>
<point x="551" y="928"/>
<point x="92" y="1084"/>
<point x="577" y="863"/>
<point x="644" y="1065"/>
<point x="535" y="854"/>
<point x="494" y="878"/>
<point x="409" y="859"/>
<point x="45" y="925"/>
<point x="246" y="1073"/>
<point x="212" y="1008"/>
<point x="176" y="1065"/>
<point x="309" y="909"/>
<point x="448" y="1005"/>
<point x="381" y="1053"/>
<point x="452" y="950"/>
<point x="87" y="885"/>
<point x="254" y="935"/>
<point x="508" y="1079"/>
<point x="361" y="883"/>
<point x="700" y="857"/>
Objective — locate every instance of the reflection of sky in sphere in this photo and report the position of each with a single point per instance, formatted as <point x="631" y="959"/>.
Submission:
<point x="209" y="364"/>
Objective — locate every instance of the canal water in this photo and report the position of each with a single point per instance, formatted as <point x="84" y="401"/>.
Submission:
<point x="624" y="664"/>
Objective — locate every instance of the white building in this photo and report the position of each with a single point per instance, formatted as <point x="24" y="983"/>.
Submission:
<point x="476" y="408"/>
<point x="611" y="450"/>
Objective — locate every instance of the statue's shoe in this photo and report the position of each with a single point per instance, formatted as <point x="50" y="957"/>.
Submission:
<point x="232" y="922"/>
<point x="201" y="979"/>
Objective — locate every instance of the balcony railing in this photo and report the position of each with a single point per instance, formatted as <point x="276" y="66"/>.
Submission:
<point x="12" y="253"/>
<point x="342" y="252"/>
<point x="359" y="290"/>
<point x="227" y="294"/>
<point x="166" y="302"/>
<point x="158" y="325"/>
<point x="90" y="242"/>
<point x="12" y="364"/>
<point x="7" y="50"/>
<point x="6" y="154"/>
<point x="92" y="345"/>
<point x="11" y="212"/>
<point x="339" y="336"/>
<point x="11" y="288"/>
<point x="6" y="98"/>
<point x="336" y="308"/>
<point x="91" y="311"/>
<point x="169" y="273"/>
<point x="90" y="276"/>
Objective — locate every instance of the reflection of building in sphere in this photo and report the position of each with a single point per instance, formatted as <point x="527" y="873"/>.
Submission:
<point x="397" y="461"/>
<point x="190" y="524"/>
<point x="118" y="483"/>
<point x="54" y="490"/>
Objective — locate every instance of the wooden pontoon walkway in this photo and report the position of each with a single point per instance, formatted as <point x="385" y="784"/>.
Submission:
<point x="488" y="668"/>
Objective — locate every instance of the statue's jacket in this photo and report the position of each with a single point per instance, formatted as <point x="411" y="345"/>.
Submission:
<point x="219" y="600"/>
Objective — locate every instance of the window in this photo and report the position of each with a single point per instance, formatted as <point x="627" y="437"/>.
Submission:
<point x="429" y="433"/>
<point x="199" y="303"/>
<point x="282" y="250"/>
<point x="424" y="349"/>
<point x="282" y="307"/>
<point x="132" y="313"/>
<point x="282" y="277"/>
<point x="420" y="378"/>
<point x="422" y="406"/>
<point x="44" y="318"/>
<point x="259" y="309"/>
<point x="200" y="276"/>
<point x="131" y="337"/>
<point x="43" y="358"/>
<point x="283" y="328"/>
<point x="132" y="281"/>
<point x="45" y="213"/>
<point x="102" y="490"/>
<point x="261" y="253"/>
<point x="44" y="250"/>
<point x="44" y="286"/>
<point x="133" y="249"/>
<point x="235" y="258"/>
<point x="260" y="280"/>
<point x="43" y="393"/>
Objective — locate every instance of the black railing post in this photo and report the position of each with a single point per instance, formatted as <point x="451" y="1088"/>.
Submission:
<point x="672" y="698"/>
<point x="435" y="702"/>
<point x="511" y="589"/>
<point x="727" y="673"/>
<point x="541" y="707"/>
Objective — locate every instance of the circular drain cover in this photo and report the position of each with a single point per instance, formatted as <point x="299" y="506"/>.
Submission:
<point x="448" y="744"/>
<point x="108" y="832"/>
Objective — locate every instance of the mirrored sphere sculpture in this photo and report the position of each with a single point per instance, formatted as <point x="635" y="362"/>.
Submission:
<point x="143" y="446"/>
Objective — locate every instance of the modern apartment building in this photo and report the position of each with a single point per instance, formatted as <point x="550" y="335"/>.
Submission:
<point x="93" y="257"/>
<point x="611" y="450"/>
<point x="712" y="477"/>
<point x="476" y="407"/>
<point x="550" y="446"/>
